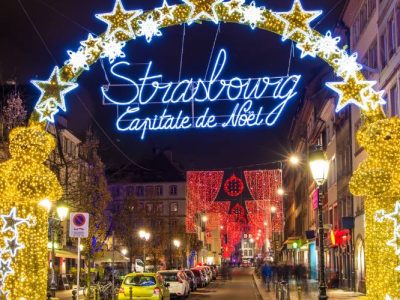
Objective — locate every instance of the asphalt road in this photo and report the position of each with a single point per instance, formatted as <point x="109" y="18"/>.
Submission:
<point x="241" y="287"/>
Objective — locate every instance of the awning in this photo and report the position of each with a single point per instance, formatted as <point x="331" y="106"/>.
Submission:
<point x="107" y="257"/>
<point x="65" y="254"/>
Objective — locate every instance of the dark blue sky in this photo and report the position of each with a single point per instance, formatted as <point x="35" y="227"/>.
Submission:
<point x="252" y="53"/>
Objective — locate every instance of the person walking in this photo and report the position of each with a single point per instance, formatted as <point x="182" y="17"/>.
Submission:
<point x="267" y="275"/>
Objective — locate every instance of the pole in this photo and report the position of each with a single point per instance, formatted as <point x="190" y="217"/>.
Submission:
<point x="144" y="256"/>
<point x="53" y="285"/>
<point x="112" y="266"/>
<point x="322" y="286"/>
<point x="78" y="271"/>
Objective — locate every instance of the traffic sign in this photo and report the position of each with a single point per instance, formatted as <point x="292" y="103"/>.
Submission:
<point x="79" y="225"/>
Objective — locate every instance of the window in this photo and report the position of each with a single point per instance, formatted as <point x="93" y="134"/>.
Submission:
<point x="149" y="208"/>
<point x="173" y="190"/>
<point x="130" y="190"/>
<point x="398" y="26"/>
<point x="173" y="223"/>
<point x="250" y="252"/>
<point x="394" y="104"/>
<point x="174" y="207"/>
<point x="382" y="49"/>
<point x="159" y="190"/>
<point x="373" y="56"/>
<point x="149" y="191"/>
<point x="139" y="191"/>
<point x="160" y="208"/>
<point x="391" y="37"/>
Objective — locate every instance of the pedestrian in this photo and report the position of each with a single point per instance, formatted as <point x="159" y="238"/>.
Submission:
<point x="267" y="275"/>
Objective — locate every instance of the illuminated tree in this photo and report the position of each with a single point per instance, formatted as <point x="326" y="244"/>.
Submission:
<point x="14" y="112"/>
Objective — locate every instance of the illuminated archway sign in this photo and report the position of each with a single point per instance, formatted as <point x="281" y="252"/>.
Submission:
<point x="376" y="178"/>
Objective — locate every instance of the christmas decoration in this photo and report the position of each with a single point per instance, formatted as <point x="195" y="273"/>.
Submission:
<point x="14" y="112"/>
<point x="253" y="15"/>
<point x="112" y="49"/>
<point x="149" y="27"/>
<point x="307" y="47"/>
<point x="394" y="216"/>
<point x="202" y="9"/>
<point x="24" y="182"/>
<point x="297" y="20"/>
<point x="234" y="6"/>
<point x="327" y="45"/>
<point x="233" y="186"/>
<point x="347" y="65"/>
<point x="379" y="182"/>
<point x="78" y="60"/>
<point x="119" y="21"/>
<point x="166" y="11"/>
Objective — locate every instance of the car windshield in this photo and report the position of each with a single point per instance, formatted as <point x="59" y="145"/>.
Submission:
<point x="170" y="276"/>
<point x="140" y="280"/>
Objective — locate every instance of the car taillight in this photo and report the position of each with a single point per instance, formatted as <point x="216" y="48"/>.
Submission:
<point x="156" y="291"/>
<point x="121" y="290"/>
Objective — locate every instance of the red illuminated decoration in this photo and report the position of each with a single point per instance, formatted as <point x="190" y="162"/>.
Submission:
<point x="241" y="212"/>
<point x="233" y="186"/>
<point x="339" y="238"/>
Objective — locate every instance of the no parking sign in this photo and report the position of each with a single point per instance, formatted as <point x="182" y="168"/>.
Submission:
<point x="79" y="225"/>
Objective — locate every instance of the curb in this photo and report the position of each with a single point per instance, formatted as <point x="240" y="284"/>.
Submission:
<point x="261" y="291"/>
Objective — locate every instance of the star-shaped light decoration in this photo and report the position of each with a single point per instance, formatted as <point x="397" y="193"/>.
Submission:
<point x="327" y="45"/>
<point x="112" y="49"/>
<point x="297" y="20"/>
<point x="203" y="9"/>
<point x="307" y="47"/>
<point x="351" y="91"/>
<point x="166" y="11"/>
<point x="5" y="268"/>
<point x="54" y="89"/>
<point x="12" y="246"/>
<point x="234" y="6"/>
<point x="3" y="294"/>
<point x="149" y="27"/>
<point x="347" y="65"/>
<point x="119" y="21"/>
<point x="374" y="99"/>
<point x="47" y="111"/>
<point x="253" y="14"/>
<point x="11" y="221"/>
<point x="78" y="60"/>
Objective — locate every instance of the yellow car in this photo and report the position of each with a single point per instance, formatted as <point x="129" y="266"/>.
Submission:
<point x="144" y="286"/>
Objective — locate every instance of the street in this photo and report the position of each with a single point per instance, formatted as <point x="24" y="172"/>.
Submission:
<point x="241" y="287"/>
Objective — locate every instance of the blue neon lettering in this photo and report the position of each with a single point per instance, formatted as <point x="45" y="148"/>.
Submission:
<point x="246" y="99"/>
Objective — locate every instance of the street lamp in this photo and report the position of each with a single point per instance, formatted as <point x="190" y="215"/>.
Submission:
<point x="177" y="244"/>
<point x="294" y="160"/>
<point x="55" y="217"/>
<point x="124" y="251"/>
<point x="145" y="236"/>
<point x="319" y="166"/>
<point x="280" y="191"/>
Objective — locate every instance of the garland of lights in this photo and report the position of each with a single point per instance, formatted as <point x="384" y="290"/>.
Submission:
<point x="376" y="177"/>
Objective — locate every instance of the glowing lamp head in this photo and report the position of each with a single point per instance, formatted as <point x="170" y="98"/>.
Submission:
<point x="252" y="240"/>
<point x="62" y="212"/>
<point x="81" y="247"/>
<point x="295" y="245"/>
<point x="273" y="209"/>
<point x="280" y="191"/>
<point x="294" y="160"/>
<point x="177" y="243"/>
<point x="204" y="218"/>
<point x="265" y="223"/>
<point x="124" y="251"/>
<point x="45" y="203"/>
<point x="319" y="166"/>
<point x="142" y="233"/>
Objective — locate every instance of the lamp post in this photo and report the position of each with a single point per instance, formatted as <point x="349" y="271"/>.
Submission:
<point x="319" y="166"/>
<point x="177" y="244"/>
<point x="61" y="212"/>
<point x="145" y="236"/>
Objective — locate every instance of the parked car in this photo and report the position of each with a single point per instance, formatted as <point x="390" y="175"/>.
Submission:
<point x="200" y="278"/>
<point x="209" y="272"/>
<point x="178" y="285"/>
<point x="192" y="280"/>
<point x="205" y="274"/>
<point x="144" y="285"/>
<point x="213" y="272"/>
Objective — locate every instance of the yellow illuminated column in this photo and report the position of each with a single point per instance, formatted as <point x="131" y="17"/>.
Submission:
<point x="378" y="180"/>
<point x="24" y="182"/>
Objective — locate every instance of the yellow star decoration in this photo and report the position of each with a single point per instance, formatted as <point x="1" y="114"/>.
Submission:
<point x="119" y="21"/>
<point x="234" y="6"/>
<point x="374" y="99"/>
<point x="53" y="89"/>
<point x="351" y="91"/>
<point x="47" y="111"/>
<point x="297" y="20"/>
<point x="166" y="11"/>
<point x="307" y="47"/>
<point x="202" y="8"/>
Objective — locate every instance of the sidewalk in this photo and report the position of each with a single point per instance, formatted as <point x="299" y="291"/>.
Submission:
<point x="312" y="295"/>
<point x="67" y="295"/>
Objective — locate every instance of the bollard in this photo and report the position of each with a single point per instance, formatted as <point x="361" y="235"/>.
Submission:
<point x="74" y="295"/>
<point x="97" y="293"/>
<point x="48" y="295"/>
<point x="130" y="293"/>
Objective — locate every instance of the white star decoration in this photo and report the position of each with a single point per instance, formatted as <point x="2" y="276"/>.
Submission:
<point x="13" y="246"/>
<point x="78" y="60"/>
<point x="149" y="28"/>
<point x="307" y="47"/>
<point x="11" y="221"/>
<point x="196" y="13"/>
<point x="234" y="6"/>
<point x="327" y="45"/>
<point x="112" y="49"/>
<point x="253" y="14"/>
<point x="166" y="11"/>
<point x="347" y="65"/>
<point x="394" y="216"/>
